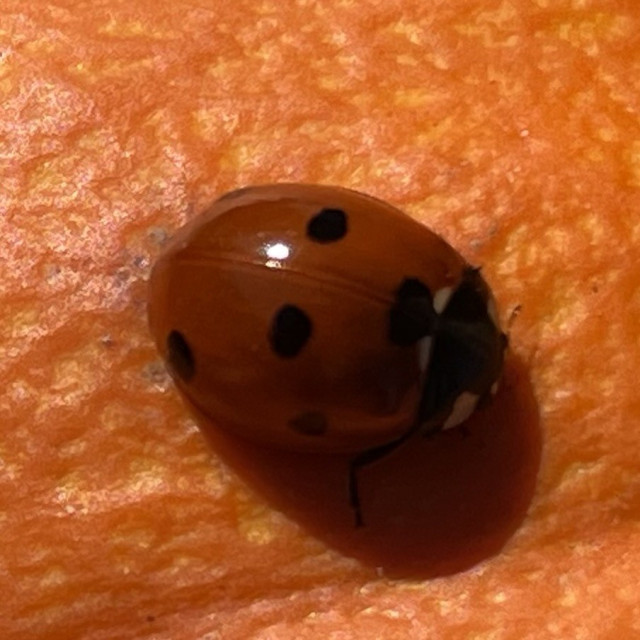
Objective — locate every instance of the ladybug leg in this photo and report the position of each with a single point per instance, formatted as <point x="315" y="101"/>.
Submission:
<point x="364" y="459"/>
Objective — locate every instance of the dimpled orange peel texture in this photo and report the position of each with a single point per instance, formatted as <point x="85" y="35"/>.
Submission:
<point x="510" y="128"/>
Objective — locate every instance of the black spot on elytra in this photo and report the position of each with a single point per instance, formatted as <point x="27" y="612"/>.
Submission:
<point x="412" y="316"/>
<point x="312" y="423"/>
<point x="290" y="330"/>
<point x="180" y="356"/>
<point x="468" y="302"/>
<point x="327" y="226"/>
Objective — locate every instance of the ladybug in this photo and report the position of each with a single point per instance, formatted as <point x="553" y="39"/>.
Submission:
<point x="320" y="319"/>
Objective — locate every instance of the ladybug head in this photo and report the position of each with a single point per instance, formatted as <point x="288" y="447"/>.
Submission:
<point x="467" y="354"/>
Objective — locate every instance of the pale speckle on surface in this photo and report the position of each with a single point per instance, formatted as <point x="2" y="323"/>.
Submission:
<point x="569" y="598"/>
<point x="452" y="607"/>
<point x="135" y="28"/>
<point x="156" y="373"/>
<point x="408" y="60"/>
<point x="633" y="160"/>
<point x="213" y="122"/>
<point x="493" y="634"/>
<point x="25" y="322"/>
<point x="9" y="470"/>
<point x="628" y="594"/>
<point x="257" y="523"/>
<point x="52" y="577"/>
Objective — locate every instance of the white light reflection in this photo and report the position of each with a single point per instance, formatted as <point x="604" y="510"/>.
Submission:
<point x="276" y="252"/>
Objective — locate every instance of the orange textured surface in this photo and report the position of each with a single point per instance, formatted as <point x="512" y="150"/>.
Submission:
<point x="509" y="127"/>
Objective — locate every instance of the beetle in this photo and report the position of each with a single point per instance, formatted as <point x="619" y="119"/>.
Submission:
<point x="320" y="319"/>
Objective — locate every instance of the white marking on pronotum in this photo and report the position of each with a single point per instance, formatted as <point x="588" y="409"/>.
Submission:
<point x="494" y="388"/>
<point x="441" y="298"/>
<point x="463" y="407"/>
